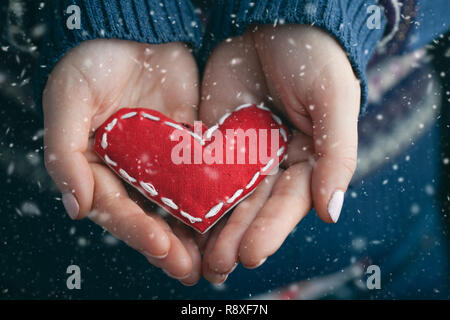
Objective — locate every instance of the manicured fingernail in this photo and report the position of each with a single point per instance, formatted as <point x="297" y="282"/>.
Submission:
<point x="71" y="205"/>
<point x="259" y="264"/>
<point x="172" y="276"/>
<point x="188" y="284"/>
<point x="234" y="267"/>
<point x="335" y="205"/>
<point x="225" y="277"/>
<point x="148" y="255"/>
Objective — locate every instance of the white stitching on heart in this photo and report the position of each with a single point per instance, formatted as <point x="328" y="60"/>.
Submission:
<point x="224" y="117"/>
<point x="242" y="106"/>
<point x="262" y="107"/>
<point x="235" y="196"/>
<point x="108" y="160"/>
<point x="169" y="202"/>
<point x="268" y="165"/>
<point x="196" y="137"/>
<point x="191" y="218"/>
<point x="148" y="187"/>
<point x="149" y="116"/>
<point x="129" y="115"/>
<point x="214" y="210"/>
<point x="277" y="119"/>
<point x="173" y="125"/>
<point x="104" y="143"/>
<point x="252" y="182"/>
<point x="111" y="125"/>
<point x="283" y="134"/>
<point x="280" y="151"/>
<point x="210" y="131"/>
<point x="127" y="176"/>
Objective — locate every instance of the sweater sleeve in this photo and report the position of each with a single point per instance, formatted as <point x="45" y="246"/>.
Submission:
<point x="346" y="20"/>
<point x="145" y="21"/>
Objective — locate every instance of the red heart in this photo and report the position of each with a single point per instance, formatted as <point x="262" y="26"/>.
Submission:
<point x="144" y="147"/>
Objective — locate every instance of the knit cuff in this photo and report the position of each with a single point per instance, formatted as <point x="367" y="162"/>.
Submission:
<point x="350" y="22"/>
<point x="144" y="21"/>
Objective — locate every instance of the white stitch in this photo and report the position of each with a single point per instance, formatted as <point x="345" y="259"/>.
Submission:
<point x="197" y="137"/>
<point x="252" y="182"/>
<point x="191" y="218"/>
<point x="210" y="131"/>
<point x="262" y="107"/>
<point x="224" y="117"/>
<point x="127" y="176"/>
<point x="283" y="134"/>
<point x="173" y="125"/>
<point x="128" y="115"/>
<point x="268" y="165"/>
<point x="235" y="196"/>
<point x="169" y="203"/>
<point x="215" y="210"/>
<point x="149" y="188"/>
<point x="111" y="125"/>
<point x="108" y="160"/>
<point x="277" y="119"/>
<point x="243" y="106"/>
<point x="149" y="116"/>
<point x="280" y="151"/>
<point x="104" y="143"/>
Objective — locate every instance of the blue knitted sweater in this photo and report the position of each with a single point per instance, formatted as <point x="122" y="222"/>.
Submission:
<point x="152" y="21"/>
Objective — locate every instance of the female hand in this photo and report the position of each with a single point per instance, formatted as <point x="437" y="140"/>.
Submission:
<point x="304" y="74"/>
<point x="89" y="84"/>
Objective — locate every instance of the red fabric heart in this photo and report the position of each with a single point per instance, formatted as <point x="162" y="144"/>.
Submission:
<point x="144" y="147"/>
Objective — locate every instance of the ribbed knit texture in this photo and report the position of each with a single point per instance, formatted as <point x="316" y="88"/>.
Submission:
<point x="145" y="21"/>
<point x="346" y="20"/>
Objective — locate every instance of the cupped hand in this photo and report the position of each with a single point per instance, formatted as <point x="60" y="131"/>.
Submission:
<point x="90" y="83"/>
<point x="305" y="76"/>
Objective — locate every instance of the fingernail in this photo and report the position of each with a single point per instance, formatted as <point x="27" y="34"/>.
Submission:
<point x="259" y="264"/>
<point x="71" y="205"/>
<point x="188" y="284"/>
<point x="172" y="276"/>
<point x="234" y="267"/>
<point x="335" y="205"/>
<point x="148" y="255"/>
<point x="225" y="277"/>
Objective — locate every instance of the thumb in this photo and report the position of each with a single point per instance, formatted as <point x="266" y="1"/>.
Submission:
<point x="66" y="134"/>
<point x="335" y="134"/>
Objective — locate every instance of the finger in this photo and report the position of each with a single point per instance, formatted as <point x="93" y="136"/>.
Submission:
<point x="116" y="212"/>
<point x="322" y="101"/>
<point x="300" y="149"/>
<point x="289" y="202"/>
<point x="178" y="263"/>
<point x="223" y="257"/>
<point x="335" y="122"/>
<point x="187" y="238"/>
<point x="67" y="114"/>
<point x="202" y="240"/>
<point x="211" y="276"/>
